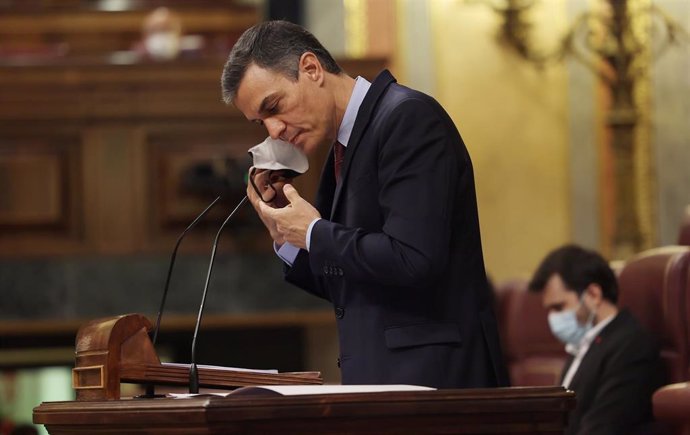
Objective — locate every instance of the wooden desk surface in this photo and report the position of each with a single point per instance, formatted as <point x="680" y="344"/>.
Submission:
<point x="528" y="410"/>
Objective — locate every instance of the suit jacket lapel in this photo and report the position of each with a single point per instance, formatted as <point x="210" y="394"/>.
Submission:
<point x="588" y="365"/>
<point x="597" y="349"/>
<point x="364" y="114"/>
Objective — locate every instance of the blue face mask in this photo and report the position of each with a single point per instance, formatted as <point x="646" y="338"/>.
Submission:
<point x="565" y="327"/>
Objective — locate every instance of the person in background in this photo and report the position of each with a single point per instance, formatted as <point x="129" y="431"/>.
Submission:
<point x="162" y="34"/>
<point x="614" y="365"/>
<point x="393" y="239"/>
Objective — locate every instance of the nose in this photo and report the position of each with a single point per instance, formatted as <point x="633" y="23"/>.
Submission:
<point x="275" y="127"/>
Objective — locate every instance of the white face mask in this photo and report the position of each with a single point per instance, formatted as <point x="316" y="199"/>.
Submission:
<point x="565" y="327"/>
<point x="162" y="45"/>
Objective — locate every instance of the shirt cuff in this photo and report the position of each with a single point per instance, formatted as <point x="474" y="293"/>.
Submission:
<point x="311" y="227"/>
<point x="286" y="252"/>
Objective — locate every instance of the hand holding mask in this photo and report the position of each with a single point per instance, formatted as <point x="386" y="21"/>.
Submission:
<point x="275" y="163"/>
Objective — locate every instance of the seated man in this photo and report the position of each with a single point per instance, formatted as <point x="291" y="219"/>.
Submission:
<point x="614" y="365"/>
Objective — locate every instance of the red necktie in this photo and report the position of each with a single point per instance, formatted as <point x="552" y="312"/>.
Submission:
<point x="338" y="157"/>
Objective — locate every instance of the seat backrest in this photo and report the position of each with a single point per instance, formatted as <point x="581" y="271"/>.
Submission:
<point x="653" y="286"/>
<point x="687" y="322"/>
<point x="684" y="233"/>
<point x="533" y="355"/>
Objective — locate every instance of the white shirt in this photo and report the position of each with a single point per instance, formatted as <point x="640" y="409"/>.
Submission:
<point x="288" y="252"/>
<point x="580" y="350"/>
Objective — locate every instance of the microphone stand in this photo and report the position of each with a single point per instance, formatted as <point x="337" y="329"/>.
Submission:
<point x="150" y="388"/>
<point x="193" y="371"/>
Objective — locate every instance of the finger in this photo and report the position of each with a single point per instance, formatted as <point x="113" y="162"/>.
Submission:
<point x="261" y="180"/>
<point x="253" y="197"/>
<point x="253" y="174"/>
<point x="267" y="210"/>
<point x="291" y="193"/>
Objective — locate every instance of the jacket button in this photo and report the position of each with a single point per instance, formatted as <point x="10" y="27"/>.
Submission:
<point x="339" y="312"/>
<point x="325" y="270"/>
<point x="338" y="362"/>
<point x="340" y="272"/>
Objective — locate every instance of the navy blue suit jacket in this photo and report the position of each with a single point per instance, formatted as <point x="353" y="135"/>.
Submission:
<point x="615" y="381"/>
<point x="399" y="252"/>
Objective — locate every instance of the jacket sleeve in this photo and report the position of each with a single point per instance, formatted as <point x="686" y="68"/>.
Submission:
<point x="418" y="173"/>
<point x="300" y="274"/>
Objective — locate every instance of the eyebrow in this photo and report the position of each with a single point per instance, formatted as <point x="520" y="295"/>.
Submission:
<point x="266" y="101"/>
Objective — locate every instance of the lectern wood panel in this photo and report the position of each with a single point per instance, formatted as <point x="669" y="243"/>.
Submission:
<point x="533" y="410"/>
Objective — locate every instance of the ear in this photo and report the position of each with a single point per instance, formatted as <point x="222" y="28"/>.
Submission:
<point x="310" y="68"/>
<point x="595" y="293"/>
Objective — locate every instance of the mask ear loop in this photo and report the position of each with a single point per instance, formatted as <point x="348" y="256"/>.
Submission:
<point x="256" y="189"/>
<point x="592" y="313"/>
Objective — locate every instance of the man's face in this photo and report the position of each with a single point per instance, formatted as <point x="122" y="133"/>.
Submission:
<point x="557" y="297"/>
<point x="299" y="112"/>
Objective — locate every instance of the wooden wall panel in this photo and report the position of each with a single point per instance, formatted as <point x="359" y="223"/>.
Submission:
<point x="188" y="166"/>
<point x="113" y="193"/>
<point x="32" y="189"/>
<point x="40" y="198"/>
<point x="110" y="159"/>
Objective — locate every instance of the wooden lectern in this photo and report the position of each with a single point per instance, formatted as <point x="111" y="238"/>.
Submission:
<point x="118" y="349"/>
<point x="528" y="410"/>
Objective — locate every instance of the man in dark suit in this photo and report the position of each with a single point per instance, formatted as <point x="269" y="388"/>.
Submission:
<point x="393" y="241"/>
<point x="614" y="365"/>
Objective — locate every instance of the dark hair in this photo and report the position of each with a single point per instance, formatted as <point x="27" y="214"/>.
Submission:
<point x="578" y="268"/>
<point x="274" y="45"/>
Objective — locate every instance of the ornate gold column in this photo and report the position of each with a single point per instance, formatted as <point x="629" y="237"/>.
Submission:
<point x="614" y="39"/>
<point x="356" y="28"/>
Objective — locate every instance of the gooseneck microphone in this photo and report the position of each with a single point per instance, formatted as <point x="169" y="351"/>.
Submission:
<point x="150" y="391"/>
<point x="193" y="371"/>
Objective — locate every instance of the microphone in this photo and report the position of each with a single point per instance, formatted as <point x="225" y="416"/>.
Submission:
<point x="150" y="391"/>
<point x="193" y="371"/>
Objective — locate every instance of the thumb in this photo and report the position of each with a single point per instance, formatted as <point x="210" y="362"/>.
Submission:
<point x="291" y="193"/>
<point x="266" y="210"/>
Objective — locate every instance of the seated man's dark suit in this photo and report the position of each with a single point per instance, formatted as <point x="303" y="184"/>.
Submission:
<point x="398" y="252"/>
<point x="615" y="381"/>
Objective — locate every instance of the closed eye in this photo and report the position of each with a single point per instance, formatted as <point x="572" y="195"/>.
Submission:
<point x="270" y="105"/>
<point x="273" y="109"/>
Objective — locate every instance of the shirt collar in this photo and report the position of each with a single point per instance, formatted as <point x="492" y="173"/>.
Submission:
<point x="589" y="336"/>
<point x="358" y="94"/>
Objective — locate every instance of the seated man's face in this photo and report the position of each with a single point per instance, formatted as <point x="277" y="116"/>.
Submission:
<point x="556" y="297"/>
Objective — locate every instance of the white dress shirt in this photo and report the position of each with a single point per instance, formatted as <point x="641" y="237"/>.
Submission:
<point x="580" y="350"/>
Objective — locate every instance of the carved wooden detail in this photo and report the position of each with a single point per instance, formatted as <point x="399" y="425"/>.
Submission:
<point x="118" y="349"/>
